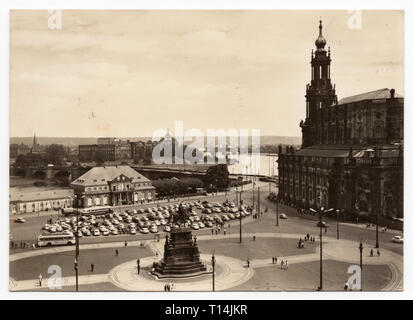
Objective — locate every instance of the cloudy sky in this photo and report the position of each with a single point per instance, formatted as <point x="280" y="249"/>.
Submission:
<point x="127" y="73"/>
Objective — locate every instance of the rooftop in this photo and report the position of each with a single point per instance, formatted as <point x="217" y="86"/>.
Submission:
<point x="376" y="94"/>
<point x="40" y="195"/>
<point x="101" y="175"/>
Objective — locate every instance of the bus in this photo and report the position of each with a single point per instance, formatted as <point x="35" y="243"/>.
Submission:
<point x="66" y="238"/>
<point x="95" y="210"/>
<point x="87" y="211"/>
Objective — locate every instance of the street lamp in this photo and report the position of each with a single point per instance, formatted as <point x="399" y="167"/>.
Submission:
<point x="77" y="274"/>
<point x="213" y="271"/>
<point x="77" y="212"/>
<point x="276" y="201"/>
<point x="338" y="225"/>
<point x="361" y="265"/>
<point x="321" y="212"/>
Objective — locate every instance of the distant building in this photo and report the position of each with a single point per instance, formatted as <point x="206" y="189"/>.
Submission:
<point x="109" y="149"/>
<point x="18" y="149"/>
<point x="112" y="185"/>
<point x="352" y="150"/>
<point x="36" y="201"/>
<point x="36" y="148"/>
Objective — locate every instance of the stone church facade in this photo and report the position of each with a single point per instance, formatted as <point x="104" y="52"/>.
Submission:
<point x="352" y="149"/>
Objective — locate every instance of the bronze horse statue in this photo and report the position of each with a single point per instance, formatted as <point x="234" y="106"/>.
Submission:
<point x="180" y="217"/>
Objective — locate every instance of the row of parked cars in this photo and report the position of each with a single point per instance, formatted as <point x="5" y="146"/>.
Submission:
<point x="148" y="220"/>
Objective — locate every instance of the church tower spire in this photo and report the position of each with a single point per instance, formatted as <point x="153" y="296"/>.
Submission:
<point x="320" y="93"/>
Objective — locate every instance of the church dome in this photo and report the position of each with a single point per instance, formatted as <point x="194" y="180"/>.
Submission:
<point x="321" y="41"/>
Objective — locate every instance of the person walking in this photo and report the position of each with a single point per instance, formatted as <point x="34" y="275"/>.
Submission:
<point x="275" y="258"/>
<point x="117" y="252"/>
<point x="92" y="267"/>
<point x="286" y="264"/>
<point x="378" y="252"/>
<point x="225" y="231"/>
<point x="126" y="243"/>
<point x="138" y="265"/>
<point x="40" y="279"/>
<point x="248" y="262"/>
<point x="253" y="237"/>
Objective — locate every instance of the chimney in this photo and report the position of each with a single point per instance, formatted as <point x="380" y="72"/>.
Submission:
<point x="392" y="93"/>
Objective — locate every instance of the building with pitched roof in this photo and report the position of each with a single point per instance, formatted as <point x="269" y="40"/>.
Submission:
<point x="352" y="149"/>
<point x="112" y="185"/>
<point x="36" y="201"/>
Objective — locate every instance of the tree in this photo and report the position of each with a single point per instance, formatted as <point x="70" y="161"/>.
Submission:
<point x="55" y="154"/>
<point x="218" y="176"/>
<point x="99" y="158"/>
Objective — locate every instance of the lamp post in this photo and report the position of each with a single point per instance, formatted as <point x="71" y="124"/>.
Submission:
<point x="213" y="271"/>
<point x="276" y="201"/>
<point x="77" y="274"/>
<point x="76" y="231"/>
<point x="377" y="229"/>
<point x="361" y="265"/>
<point x="338" y="225"/>
<point x="320" y="223"/>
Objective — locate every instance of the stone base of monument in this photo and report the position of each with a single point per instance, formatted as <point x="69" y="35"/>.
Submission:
<point x="181" y="256"/>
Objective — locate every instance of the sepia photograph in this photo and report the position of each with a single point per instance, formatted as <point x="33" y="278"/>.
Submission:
<point x="206" y="150"/>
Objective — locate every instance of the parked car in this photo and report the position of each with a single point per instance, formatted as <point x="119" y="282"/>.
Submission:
<point x="144" y="230"/>
<point x="397" y="239"/>
<point x="20" y="220"/>
<point x="284" y="216"/>
<point x="322" y="224"/>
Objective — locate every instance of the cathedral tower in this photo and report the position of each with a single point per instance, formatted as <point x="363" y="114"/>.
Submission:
<point x="320" y="93"/>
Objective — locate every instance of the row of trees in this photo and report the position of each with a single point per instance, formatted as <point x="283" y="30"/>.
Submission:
<point x="54" y="154"/>
<point x="169" y="187"/>
<point x="217" y="178"/>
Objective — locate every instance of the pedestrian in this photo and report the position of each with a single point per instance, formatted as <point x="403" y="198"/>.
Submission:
<point x="212" y="231"/>
<point x="40" y="279"/>
<point x="248" y="262"/>
<point x="282" y="264"/>
<point x="172" y="287"/>
<point x="346" y="286"/>
<point x="378" y="252"/>
<point x="286" y="264"/>
<point x="275" y="258"/>
<point x="92" y="267"/>
<point x="253" y="237"/>
<point x="138" y="265"/>
<point x="116" y="252"/>
<point x="126" y="243"/>
<point x="225" y="231"/>
<point x="164" y="288"/>
<point x="371" y="253"/>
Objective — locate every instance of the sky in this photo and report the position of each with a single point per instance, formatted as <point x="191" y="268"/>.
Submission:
<point x="128" y="73"/>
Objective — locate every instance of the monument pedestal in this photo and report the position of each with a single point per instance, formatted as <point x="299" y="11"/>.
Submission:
<point x="181" y="256"/>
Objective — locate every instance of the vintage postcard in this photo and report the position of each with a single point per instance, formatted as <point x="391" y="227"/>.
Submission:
<point x="206" y="150"/>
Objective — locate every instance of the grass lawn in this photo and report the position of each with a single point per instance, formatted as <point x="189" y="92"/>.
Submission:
<point x="261" y="248"/>
<point x="103" y="259"/>
<point x="305" y="277"/>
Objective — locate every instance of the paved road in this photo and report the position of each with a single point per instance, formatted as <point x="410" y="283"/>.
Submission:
<point x="296" y="223"/>
<point x="233" y="271"/>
